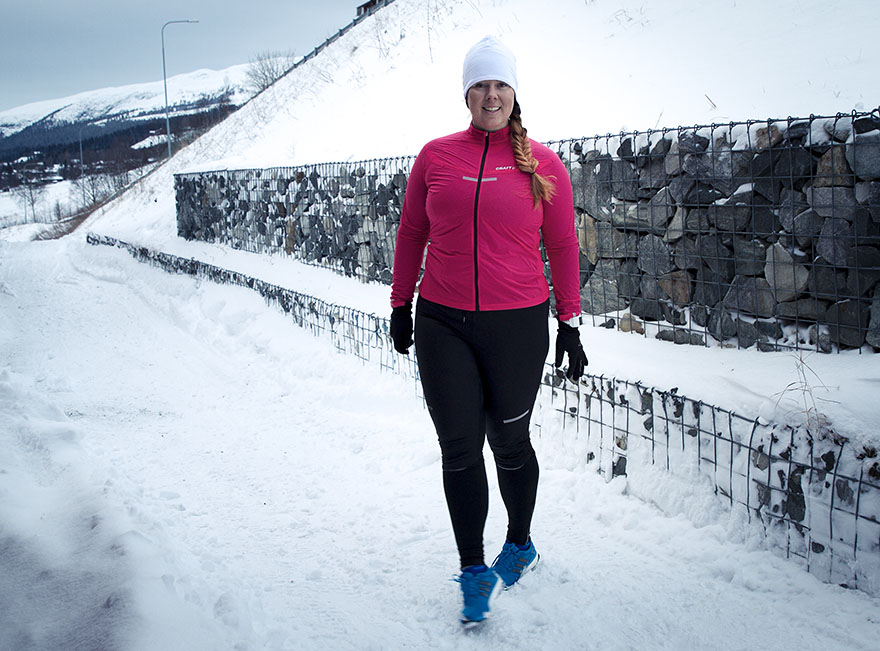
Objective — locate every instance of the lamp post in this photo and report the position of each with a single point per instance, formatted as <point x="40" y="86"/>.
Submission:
<point x="165" y="81"/>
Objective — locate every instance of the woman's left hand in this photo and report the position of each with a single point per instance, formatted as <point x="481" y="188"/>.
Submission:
<point x="568" y="340"/>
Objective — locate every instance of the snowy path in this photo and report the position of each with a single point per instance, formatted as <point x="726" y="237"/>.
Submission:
<point x="270" y="493"/>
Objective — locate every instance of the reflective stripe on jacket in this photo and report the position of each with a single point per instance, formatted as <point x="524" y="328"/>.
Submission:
<point x="473" y="209"/>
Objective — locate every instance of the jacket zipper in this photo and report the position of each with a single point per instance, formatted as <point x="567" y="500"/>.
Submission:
<point x="476" y="205"/>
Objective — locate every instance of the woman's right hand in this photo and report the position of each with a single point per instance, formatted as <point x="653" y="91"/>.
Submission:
<point x="402" y="327"/>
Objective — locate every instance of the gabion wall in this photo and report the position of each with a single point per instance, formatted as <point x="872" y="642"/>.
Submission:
<point x="759" y="234"/>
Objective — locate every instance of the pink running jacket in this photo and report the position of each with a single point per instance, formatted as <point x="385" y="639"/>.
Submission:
<point x="467" y="201"/>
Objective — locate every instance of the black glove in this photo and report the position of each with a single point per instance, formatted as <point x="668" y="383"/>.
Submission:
<point x="402" y="327"/>
<point x="568" y="340"/>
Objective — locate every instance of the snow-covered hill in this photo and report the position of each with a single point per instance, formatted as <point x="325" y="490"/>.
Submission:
<point x="186" y="92"/>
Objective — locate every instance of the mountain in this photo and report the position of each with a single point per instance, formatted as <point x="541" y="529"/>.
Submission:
<point x="64" y="121"/>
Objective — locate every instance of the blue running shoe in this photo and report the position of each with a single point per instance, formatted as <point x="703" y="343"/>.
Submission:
<point x="513" y="562"/>
<point x="479" y="585"/>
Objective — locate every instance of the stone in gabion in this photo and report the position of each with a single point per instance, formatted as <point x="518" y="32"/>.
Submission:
<point x="827" y="282"/>
<point x="787" y="278"/>
<point x="862" y="278"/>
<point x="791" y="204"/>
<point x="806" y="227"/>
<point x="716" y="255"/>
<point x="804" y="309"/>
<point x="837" y="202"/>
<point x="835" y="242"/>
<point x="600" y="293"/>
<point x="793" y="165"/>
<point x="863" y="155"/>
<point x="749" y="256"/>
<point x="613" y="243"/>
<point x="624" y="181"/>
<point x="686" y="255"/>
<point x="677" y="285"/>
<point x="750" y="295"/>
<point x="848" y="322"/>
<point x="868" y="195"/>
<point x="833" y="169"/>
<point x="709" y="287"/>
<point x="720" y="324"/>
<point x="655" y="257"/>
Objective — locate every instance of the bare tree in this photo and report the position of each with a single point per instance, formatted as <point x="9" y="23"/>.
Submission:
<point x="267" y="68"/>
<point x="28" y="193"/>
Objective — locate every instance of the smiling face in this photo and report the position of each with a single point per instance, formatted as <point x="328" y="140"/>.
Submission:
<point x="490" y="103"/>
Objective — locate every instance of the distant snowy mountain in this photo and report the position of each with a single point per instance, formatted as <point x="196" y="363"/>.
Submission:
<point x="186" y="92"/>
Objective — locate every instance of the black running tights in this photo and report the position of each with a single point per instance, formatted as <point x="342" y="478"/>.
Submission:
<point x="480" y="373"/>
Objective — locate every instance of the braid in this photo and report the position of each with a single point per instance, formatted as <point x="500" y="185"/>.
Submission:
<point x="543" y="187"/>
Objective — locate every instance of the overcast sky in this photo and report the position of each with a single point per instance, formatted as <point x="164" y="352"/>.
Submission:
<point x="54" y="48"/>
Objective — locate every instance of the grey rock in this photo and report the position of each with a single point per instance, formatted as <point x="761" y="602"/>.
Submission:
<point x="791" y="204"/>
<point x="835" y="242"/>
<point x="614" y="243"/>
<point x="624" y="181"/>
<point x="839" y="129"/>
<point x="787" y="278"/>
<point x="868" y="195"/>
<point x="749" y="256"/>
<point x="629" y="279"/>
<point x="649" y="288"/>
<point x="686" y="255"/>
<point x="652" y="176"/>
<point x="680" y="187"/>
<point x="730" y="217"/>
<point x="676" y="227"/>
<point x="747" y="334"/>
<point x="591" y="182"/>
<point x="827" y="282"/>
<point x="848" y="322"/>
<point x="600" y="293"/>
<point x="716" y="255"/>
<point x="690" y="142"/>
<point x="863" y="155"/>
<point x="837" y="202"/>
<point x="721" y="325"/>
<point x="793" y="165"/>
<point x="770" y="329"/>
<point x="700" y="315"/>
<point x="865" y="272"/>
<point x="819" y="338"/>
<point x="655" y="257"/>
<point x="804" y="309"/>
<point x="806" y="227"/>
<point x="751" y="295"/>
<point x="709" y="287"/>
<point x="647" y="310"/>
<point x="697" y="221"/>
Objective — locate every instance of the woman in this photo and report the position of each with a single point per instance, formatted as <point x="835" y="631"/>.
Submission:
<point x="481" y="200"/>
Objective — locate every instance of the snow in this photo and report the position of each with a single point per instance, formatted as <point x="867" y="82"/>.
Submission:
<point x="182" y="467"/>
<point x="133" y="99"/>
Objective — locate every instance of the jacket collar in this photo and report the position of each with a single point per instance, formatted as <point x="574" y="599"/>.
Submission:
<point x="502" y="135"/>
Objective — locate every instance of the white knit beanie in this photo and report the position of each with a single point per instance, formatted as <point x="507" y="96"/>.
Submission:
<point x="488" y="59"/>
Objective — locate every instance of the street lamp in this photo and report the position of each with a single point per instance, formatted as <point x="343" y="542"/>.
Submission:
<point x="165" y="81"/>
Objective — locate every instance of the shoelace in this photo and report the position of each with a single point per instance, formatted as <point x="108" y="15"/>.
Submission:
<point x="474" y="586"/>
